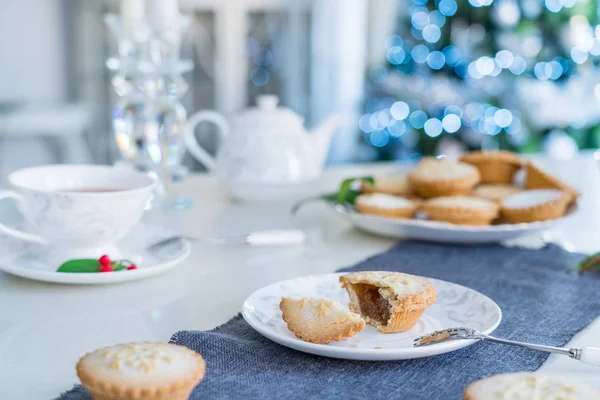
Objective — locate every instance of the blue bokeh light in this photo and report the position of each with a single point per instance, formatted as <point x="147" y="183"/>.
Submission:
<point x="448" y="7"/>
<point x="420" y="53"/>
<point x="379" y="138"/>
<point x="417" y="119"/>
<point x="436" y="60"/>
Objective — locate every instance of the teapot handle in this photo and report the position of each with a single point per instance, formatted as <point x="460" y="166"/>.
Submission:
<point x="191" y="142"/>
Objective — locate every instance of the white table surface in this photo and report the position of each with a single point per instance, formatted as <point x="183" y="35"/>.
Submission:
<point x="45" y="328"/>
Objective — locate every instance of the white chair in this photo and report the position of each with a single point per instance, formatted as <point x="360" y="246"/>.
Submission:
<point x="66" y="123"/>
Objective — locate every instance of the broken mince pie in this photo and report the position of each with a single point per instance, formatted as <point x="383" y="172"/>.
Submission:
<point x="389" y="301"/>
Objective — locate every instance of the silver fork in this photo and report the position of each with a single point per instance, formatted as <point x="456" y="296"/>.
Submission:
<point x="587" y="355"/>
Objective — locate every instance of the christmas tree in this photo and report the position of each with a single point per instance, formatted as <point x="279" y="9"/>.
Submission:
<point x="507" y="74"/>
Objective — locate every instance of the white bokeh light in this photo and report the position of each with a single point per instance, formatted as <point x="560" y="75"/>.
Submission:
<point x="503" y="118"/>
<point x="579" y="56"/>
<point x="518" y="66"/>
<point x="432" y="33"/>
<point x="433" y="127"/>
<point x="451" y="123"/>
<point x="399" y="110"/>
<point x="485" y="65"/>
<point x="364" y="123"/>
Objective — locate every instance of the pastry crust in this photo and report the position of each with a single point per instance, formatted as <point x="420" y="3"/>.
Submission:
<point x="462" y="210"/>
<point x="386" y="205"/>
<point x="398" y="185"/>
<point x="494" y="166"/>
<point x="320" y="320"/>
<point x="495" y="192"/>
<point x="528" y="385"/>
<point x="535" y="178"/>
<point x="141" y="371"/>
<point x="389" y="301"/>
<point x="442" y="177"/>
<point x="535" y="205"/>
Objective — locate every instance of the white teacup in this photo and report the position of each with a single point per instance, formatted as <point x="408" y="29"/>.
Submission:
<point x="78" y="210"/>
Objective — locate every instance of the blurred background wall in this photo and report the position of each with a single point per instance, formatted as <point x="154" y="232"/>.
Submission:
<point x="411" y="77"/>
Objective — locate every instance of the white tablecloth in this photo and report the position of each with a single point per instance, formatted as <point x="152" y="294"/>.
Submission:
<point x="45" y="328"/>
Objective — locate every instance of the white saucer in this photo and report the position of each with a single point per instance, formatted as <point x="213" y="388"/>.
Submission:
<point x="24" y="259"/>
<point x="456" y="306"/>
<point x="443" y="232"/>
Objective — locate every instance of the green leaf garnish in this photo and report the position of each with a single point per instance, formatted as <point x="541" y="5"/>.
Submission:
<point x="87" y="265"/>
<point x="80" y="265"/>
<point x="345" y="195"/>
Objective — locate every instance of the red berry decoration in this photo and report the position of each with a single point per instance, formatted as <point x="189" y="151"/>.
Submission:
<point x="106" y="268"/>
<point x="132" y="267"/>
<point x="104" y="260"/>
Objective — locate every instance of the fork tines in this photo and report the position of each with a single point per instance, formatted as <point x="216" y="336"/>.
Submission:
<point x="442" y="336"/>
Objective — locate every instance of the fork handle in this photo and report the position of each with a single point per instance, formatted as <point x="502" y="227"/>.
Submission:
<point x="589" y="355"/>
<point x="551" y="349"/>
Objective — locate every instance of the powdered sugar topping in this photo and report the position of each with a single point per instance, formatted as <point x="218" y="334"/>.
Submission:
<point x="382" y="200"/>
<point x="530" y="198"/>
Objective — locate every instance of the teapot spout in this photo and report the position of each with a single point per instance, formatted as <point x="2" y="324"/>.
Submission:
<point x="328" y="126"/>
<point x="321" y="137"/>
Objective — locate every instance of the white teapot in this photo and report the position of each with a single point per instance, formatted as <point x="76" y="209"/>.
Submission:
<point x="265" y="145"/>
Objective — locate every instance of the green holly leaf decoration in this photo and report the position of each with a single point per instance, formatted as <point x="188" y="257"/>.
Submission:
<point x="80" y="265"/>
<point x="87" y="265"/>
<point x="346" y="194"/>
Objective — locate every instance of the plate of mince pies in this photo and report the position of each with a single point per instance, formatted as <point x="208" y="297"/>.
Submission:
<point x="367" y="315"/>
<point x="483" y="197"/>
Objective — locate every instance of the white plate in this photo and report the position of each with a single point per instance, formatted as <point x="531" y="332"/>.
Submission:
<point x="456" y="306"/>
<point x="444" y="232"/>
<point x="25" y="260"/>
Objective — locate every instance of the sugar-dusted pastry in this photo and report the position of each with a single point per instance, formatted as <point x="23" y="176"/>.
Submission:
<point x="535" y="205"/>
<point x="386" y="205"/>
<point x="320" y="320"/>
<point x="535" y="178"/>
<point x="462" y="210"/>
<point x="141" y="371"/>
<point x="494" y="166"/>
<point x="528" y="386"/>
<point x="434" y="177"/>
<point x="389" y="301"/>
<point x="495" y="191"/>
<point x="398" y="185"/>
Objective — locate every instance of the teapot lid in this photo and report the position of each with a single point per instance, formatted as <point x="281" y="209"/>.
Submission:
<point x="266" y="114"/>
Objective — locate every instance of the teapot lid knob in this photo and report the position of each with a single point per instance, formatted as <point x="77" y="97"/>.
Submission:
<point x="267" y="102"/>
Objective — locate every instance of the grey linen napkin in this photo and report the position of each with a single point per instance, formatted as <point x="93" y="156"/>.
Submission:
<point x="540" y="301"/>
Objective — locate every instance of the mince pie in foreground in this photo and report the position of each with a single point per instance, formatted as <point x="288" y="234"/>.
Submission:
<point x="389" y="301"/>
<point x="141" y="371"/>
<point x="320" y="320"/>
<point x="528" y="386"/>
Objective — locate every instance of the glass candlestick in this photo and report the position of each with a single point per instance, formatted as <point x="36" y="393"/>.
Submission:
<point x="149" y="119"/>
